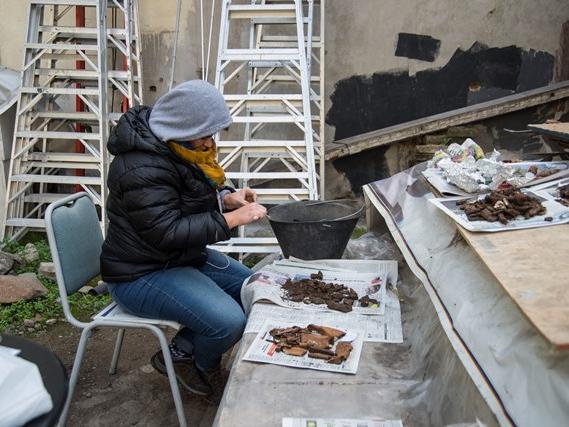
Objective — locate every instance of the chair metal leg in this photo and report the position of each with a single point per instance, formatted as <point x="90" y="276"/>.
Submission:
<point x="171" y="375"/>
<point x="117" y="351"/>
<point x="74" y="374"/>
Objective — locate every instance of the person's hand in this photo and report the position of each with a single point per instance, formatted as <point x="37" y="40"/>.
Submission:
<point x="245" y="215"/>
<point x="239" y="198"/>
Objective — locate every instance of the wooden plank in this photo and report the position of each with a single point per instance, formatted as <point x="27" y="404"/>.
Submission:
<point x="532" y="267"/>
<point x="484" y="110"/>
<point x="557" y="130"/>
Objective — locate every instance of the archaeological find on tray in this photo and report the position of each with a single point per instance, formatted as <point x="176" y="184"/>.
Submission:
<point x="372" y="281"/>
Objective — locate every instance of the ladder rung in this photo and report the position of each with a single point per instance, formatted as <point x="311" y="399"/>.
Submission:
<point x="60" y="46"/>
<point x="268" y="119"/>
<point x="266" y="175"/>
<point x="280" y="191"/>
<point x="44" y="197"/>
<point x="80" y="74"/>
<point x="63" y="157"/>
<point x="25" y="222"/>
<point x="80" y="32"/>
<point x="60" y="90"/>
<point x="260" y="55"/>
<point x="57" y="179"/>
<point x="63" y="165"/>
<point x="261" y="10"/>
<point x="57" y="135"/>
<point x="78" y="117"/>
<point x="262" y="143"/>
<point x="261" y="249"/>
<point x="72" y="2"/>
<point x="263" y="97"/>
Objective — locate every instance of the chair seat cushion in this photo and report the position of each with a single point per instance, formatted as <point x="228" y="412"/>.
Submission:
<point x="115" y="313"/>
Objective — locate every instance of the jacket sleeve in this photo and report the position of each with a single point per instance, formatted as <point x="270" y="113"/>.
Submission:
<point x="153" y="204"/>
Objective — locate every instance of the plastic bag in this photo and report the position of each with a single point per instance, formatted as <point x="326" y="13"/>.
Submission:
<point x="373" y="246"/>
<point x="23" y="396"/>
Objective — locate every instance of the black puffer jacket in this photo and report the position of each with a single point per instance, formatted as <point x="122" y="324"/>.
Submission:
<point x="162" y="212"/>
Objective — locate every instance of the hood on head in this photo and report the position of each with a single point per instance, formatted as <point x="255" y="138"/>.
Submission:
<point x="133" y="132"/>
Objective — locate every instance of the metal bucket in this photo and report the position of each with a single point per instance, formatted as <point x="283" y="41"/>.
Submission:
<point x="315" y="229"/>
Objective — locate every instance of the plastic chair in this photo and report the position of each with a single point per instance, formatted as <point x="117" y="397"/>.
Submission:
<point x="75" y="241"/>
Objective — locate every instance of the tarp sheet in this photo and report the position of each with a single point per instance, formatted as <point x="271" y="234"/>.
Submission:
<point x="530" y="377"/>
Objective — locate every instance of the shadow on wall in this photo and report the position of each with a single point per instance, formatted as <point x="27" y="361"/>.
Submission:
<point x="365" y="103"/>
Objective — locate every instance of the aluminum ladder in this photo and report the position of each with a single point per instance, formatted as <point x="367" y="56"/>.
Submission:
<point x="271" y="91"/>
<point x="81" y="69"/>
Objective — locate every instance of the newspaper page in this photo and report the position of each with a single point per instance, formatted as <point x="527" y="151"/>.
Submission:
<point x="263" y="350"/>
<point x="339" y="422"/>
<point x="386" y="328"/>
<point x="266" y="284"/>
<point x="556" y="212"/>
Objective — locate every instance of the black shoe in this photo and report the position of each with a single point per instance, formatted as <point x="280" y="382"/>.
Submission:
<point x="187" y="373"/>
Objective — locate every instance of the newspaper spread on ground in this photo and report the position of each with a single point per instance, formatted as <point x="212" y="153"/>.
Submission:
<point x="386" y="328"/>
<point x="263" y="350"/>
<point x="555" y="212"/>
<point x="340" y="422"/>
<point x="266" y="284"/>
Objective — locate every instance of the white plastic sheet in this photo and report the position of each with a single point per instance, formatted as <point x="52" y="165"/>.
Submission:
<point x="23" y="396"/>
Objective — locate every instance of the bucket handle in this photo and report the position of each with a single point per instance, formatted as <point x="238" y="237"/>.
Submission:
<point x="358" y="212"/>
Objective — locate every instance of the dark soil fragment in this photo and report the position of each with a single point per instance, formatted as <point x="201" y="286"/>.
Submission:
<point x="315" y="291"/>
<point x="315" y="340"/>
<point x="564" y="195"/>
<point x="502" y="205"/>
<point x="365" y="301"/>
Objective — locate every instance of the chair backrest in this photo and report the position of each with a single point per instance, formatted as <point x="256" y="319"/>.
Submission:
<point x="75" y="241"/>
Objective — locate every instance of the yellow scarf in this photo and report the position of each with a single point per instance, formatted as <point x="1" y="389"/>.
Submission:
<point x="205" y="160"/>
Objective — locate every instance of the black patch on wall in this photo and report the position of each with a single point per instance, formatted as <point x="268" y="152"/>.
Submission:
<point x="417" y="46"/>
<point x="365" y="103"/>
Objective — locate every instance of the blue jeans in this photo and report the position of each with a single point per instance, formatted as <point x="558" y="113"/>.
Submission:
<point x="205" y="300"/>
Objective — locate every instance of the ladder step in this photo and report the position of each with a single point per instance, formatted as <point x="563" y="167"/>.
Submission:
<point x="260" y="55"/>
<point x="25" y="222"/>
<point x="57" y="179"/>
<point x="44" y="197"/>
<point x="60" y="46"/>
<point x="268" y="119"/>
<point x="57" y="135"/>
<point x="261" y="143"/>
<point x="60" y="90"/>
<point x="267" y="175"/>
<point x="60" y="115"/>
<point x="81" y="32"/>
<point x="233" y="98"/>
<point x="63" y="165"/>
<point x="239" y="11"/>
<point x="63" y="157"/>
<point x="66" y="2"/>
<point x="81" y="74"/>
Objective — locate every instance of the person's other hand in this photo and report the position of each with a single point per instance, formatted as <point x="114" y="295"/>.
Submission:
<point x="245" y="215"/>
<point x="239" y="198"/>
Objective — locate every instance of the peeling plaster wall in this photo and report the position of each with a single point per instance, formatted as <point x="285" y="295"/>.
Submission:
<point x="385" y="38"/>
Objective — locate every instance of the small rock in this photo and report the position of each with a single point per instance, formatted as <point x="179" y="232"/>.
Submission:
<point x="38" y="326"/>
<point x="31" y="329"/>
<point x="87" y="394"/>
<point x="30" y="253"/>
<point x="147" y="369"/>
<point x="47" y="269"/>
<point x="84" y="289"/>
<point x="6" y="262"/>
<point x="29" y="323"/>
<point x="22" y="287"/>
<point x="50" y="321"/>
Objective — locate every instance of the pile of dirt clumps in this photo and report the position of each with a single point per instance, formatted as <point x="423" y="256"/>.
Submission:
<point x="315" y="291"/>
<point x="503" y="206"/>
<point x="317" y="341"/>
